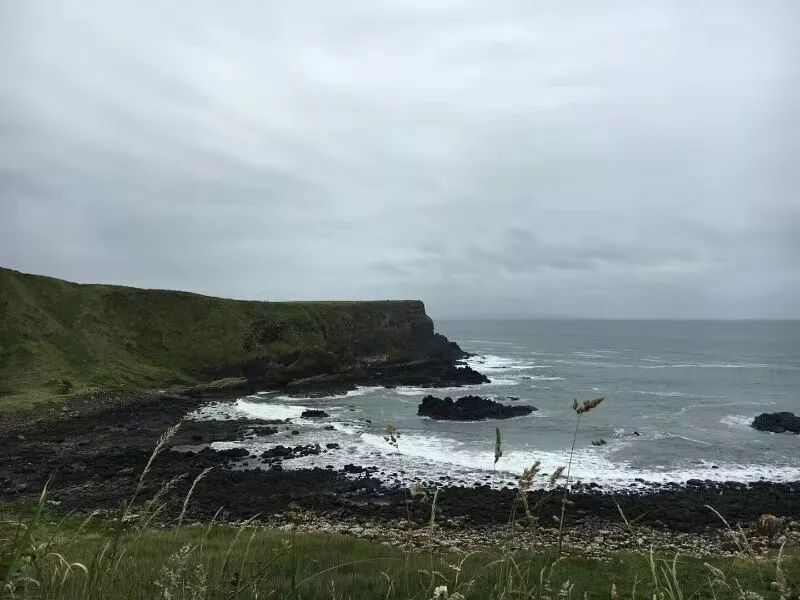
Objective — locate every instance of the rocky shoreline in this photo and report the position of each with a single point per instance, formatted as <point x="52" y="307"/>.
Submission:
<point x="94" y="448"/>
<point x="595" y="538"/>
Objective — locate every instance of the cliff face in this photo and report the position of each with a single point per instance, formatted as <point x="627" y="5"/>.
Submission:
<point x="60" y="337"/>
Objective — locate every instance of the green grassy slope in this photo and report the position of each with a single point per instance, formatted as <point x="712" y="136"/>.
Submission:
<point x="107" y="337"/>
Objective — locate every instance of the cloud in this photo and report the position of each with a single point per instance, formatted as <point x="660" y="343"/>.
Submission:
<point x="574" y="158"/>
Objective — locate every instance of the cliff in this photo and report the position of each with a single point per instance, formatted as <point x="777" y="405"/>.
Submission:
<point x="58" y="337"/>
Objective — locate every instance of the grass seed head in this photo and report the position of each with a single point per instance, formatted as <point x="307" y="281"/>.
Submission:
<point x="526" y="479"/>
<point x="587" y="405"/>
<point x="557" y="474"/>
<point x="417" y="492"/>
<point x="392" y="435"/>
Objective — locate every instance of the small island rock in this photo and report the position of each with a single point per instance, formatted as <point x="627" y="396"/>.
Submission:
<point x="314" y="414"/>
<point x="778" y="422"/>
<point x="469" y="408"/>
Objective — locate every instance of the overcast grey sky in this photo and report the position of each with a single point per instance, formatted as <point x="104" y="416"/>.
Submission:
<point x="601" y="159"/>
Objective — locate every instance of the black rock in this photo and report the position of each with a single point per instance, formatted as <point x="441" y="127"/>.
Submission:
<point x="469" y="408"/>
<point x="778" y="422"/>
<point x="281" y="452"/>
<point x="351" y="468"/>
<point x="314" y="414"/>
<point x="332" y="446"/>
<point x="277" y="452"/>
<point x="233" y="453"/>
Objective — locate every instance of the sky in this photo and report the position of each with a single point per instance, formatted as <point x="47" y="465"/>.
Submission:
<point x="621" y="159"/>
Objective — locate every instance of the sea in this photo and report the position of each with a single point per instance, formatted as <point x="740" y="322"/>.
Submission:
<point x="679" y="398"/>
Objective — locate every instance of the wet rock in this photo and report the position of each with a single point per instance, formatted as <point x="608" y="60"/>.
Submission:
<point x="777" y="422"/>
<point x="314" y="414"/>
<point x="469" y="408"/>
<point x="233" y="453"/>
<point x="284" y="452"/>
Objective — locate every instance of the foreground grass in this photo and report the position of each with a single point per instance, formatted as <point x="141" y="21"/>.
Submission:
<point x="98" y="559"/>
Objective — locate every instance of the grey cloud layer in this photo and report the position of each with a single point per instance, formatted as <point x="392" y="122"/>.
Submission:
<point x="530" y="158"/>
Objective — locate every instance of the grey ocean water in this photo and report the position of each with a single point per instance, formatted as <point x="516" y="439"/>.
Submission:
<point x="689" y="389"/>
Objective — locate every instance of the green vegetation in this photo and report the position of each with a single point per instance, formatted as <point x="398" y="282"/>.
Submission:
<point x="59" y="338"/>
<point x="43" y="557"/>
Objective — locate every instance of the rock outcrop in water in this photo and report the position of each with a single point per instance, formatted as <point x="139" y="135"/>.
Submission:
<point x="778" y="422"/>
<point x="469" y="408"/>
<point x="314" y="414"/>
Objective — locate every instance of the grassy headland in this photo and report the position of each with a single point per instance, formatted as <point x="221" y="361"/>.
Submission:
<point x="60" y="338"/>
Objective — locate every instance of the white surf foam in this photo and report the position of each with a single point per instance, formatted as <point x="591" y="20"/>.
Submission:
<point x="710" y="365"/>
<point x="491" y="363"/>
<point x="264" y="410"/>
<point x="592" y="363"/>
<point x="737" y="421"/>
<point x="348" y="428"/>
<point x="662" y="394"/>
<point x="359" y="391"/>
<point x="431" y="457"/>
<point x="500" y="381"/>
<point x="412" y="391"/>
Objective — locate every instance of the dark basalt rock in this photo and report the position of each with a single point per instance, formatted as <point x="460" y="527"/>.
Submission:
<point x="233" y="453"/>
<point x="469" y="408"/>
<point x="427" y="372"/>
<point x="314" y="414"/>
<point x="282" y="452"/>
<point x="778" y="422"/>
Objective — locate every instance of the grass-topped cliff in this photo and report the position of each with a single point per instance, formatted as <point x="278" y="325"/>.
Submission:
<point x="58" y="337"/>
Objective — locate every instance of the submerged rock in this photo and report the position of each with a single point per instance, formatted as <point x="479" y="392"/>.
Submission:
<point x="778" y="422"/>
<point x="469" y="408"/>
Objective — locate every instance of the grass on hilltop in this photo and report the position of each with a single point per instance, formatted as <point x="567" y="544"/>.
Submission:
<point x="59" y="338"/>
